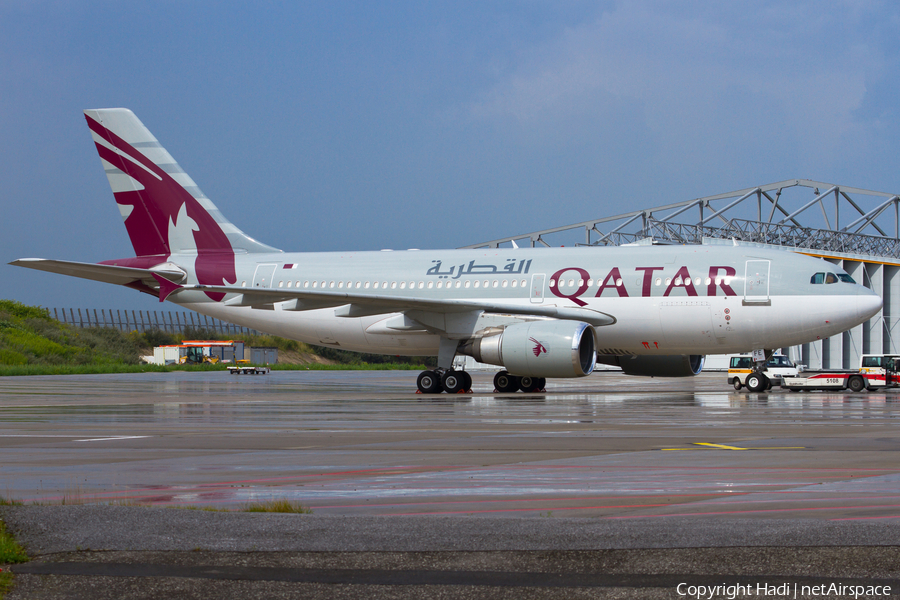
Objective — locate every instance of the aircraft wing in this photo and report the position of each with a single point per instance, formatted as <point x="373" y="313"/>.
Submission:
<point x="359" y="305"/>
<point x="95" y="272"/>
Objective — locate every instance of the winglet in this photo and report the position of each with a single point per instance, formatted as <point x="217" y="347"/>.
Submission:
<point x="166" y="287"/>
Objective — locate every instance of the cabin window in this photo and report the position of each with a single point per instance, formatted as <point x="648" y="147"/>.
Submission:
<point x="524" y="283"/>
<point x="440" y="284"/>
<point x="430" y="284"/>
<point x="477" y="283"/>
<point x="243" y="284"/>
<point x="402" y="285"/>
<point x="393" y="285"/>
<point x="366" y="285"/>
<point x="552" y="282"/>
<point x="468" y="283"/>
<point x="515" y="282"/>
<point x="658" y="281"/>
<point x="505" y="282"/>
<point x="331" y="285"/>
<point x="340" y="284"/>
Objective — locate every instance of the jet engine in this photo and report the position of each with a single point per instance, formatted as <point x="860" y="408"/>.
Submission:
<point x="538" y="349"/>
<point x="677" y="365"/>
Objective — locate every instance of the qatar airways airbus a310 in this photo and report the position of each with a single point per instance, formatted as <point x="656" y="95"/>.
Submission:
<point x="538" y="313"/>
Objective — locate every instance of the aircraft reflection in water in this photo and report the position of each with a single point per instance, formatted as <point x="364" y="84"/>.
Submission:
<point x="538" y="313"/>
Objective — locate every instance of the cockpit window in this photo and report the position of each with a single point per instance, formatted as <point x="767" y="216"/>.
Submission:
<point x="830" y="278"/>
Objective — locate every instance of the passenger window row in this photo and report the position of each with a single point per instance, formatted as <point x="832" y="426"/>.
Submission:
<point x="659" y="281"/>
<point x="308" y="284"/>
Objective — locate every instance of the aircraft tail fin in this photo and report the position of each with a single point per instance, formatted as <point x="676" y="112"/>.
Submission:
<point x="163" y="209"/>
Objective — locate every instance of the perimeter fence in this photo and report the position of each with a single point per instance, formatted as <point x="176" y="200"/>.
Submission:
<point x="169" y="321"/>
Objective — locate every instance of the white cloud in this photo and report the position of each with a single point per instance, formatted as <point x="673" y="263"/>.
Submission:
<point x="712" y="82"/>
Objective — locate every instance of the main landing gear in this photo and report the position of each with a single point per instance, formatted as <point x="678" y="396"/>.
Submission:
<point x="506" y="383"/>
<point x="444" y="380"/>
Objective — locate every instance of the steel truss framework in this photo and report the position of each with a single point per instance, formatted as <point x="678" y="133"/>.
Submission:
<point x="855" y="228"/>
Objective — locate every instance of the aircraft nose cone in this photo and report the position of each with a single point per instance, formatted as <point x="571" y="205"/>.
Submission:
<point x="868" y="303"/>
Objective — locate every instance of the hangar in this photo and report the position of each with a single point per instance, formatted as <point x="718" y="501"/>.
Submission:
<point x="854" y="228"/>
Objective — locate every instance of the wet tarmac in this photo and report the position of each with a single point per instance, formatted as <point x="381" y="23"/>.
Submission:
<point x="363" y="443"/>
<point x="604" y="487"/>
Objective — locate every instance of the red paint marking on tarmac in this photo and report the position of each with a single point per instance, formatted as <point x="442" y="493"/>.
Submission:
<point x="552" y="508"/>
<point x="570" y="499"/>
<point x="766" y="510"/>
<point x="513" y="500"/>
<point x="866" y="518"/>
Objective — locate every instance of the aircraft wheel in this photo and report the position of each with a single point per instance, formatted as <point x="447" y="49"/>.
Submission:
<point x="856" y="384"/>
<point x="467" y="380"/>
<point x="452" y="382"/>
<point x="757" y="382"/>
<point x="429" y="382"/>
<point x="506" y="383"/>
<point x="541" y="383"/>
<point x="737" y="384"/>
<point x="530" y="385"/>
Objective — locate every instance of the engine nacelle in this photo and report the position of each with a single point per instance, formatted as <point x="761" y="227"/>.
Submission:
<point x="676" y="365"/>
<point x="538" y="349"/>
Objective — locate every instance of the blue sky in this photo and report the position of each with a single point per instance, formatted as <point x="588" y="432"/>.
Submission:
<point x="363" y="125"/>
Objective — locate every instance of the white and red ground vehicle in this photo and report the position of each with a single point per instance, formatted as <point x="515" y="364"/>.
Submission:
<point x="876" y="371"/>
<point x="776" y="368"/>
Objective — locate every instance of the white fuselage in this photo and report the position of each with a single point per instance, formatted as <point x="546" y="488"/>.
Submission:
<point x="663" y="300"/>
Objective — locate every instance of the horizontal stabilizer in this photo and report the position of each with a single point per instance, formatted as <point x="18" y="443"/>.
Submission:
<point x="105" y="273"/>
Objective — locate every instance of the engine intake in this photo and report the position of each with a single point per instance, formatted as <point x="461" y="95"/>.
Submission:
<point x="677" y="365"/>
<point x="538" y="349"/>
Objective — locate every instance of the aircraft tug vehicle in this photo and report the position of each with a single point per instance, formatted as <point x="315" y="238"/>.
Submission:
<point x="876" y="371"/>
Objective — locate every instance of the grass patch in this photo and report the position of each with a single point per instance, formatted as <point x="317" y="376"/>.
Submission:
<point x="10" y="550"/>
<point x="34" y="343"/>
<point x="10" y="553"/>
<point x="276" y="506"/>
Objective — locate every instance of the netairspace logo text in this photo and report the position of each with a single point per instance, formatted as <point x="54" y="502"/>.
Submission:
<point x="783" y="590"/>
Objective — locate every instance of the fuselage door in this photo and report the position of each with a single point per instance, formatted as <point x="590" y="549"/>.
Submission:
<point x="756" y="281"/>
<point x="263" y="276"/>
<point x="537" y="288"/>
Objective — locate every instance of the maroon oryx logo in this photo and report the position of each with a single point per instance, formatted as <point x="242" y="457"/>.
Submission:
<point x="538" y="347"/>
